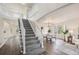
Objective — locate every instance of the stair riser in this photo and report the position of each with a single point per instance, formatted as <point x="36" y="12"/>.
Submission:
<point x="29" y="32"/>
<point x="29" y="35"/>
<point x="28" y="39"/>
<point x="30" y="43"/>
<point x="25" y="22"/>
<point x="27" y="28"/>
<point x="26" y="25"/>
<point x="33" y="47"/>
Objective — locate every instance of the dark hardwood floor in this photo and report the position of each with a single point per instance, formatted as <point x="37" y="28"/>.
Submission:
<point x="10" y="48"/>
<point x="7" y="50"/>
<point x="52" y="47"/>
<point x="56" y="47"/>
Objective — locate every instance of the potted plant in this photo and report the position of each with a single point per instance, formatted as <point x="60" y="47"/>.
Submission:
<point x="41" y="28"/>
<point x="64" y="32"/>
<point x="49" y="31"/>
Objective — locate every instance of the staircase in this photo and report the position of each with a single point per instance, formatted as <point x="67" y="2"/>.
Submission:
<point x="32" y="44"/>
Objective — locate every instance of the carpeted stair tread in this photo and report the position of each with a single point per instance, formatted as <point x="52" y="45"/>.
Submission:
<point x="29" y="35"/>
<point x="32" y="42"/>
<point x="38" y="51"/>
<point x="31" y="38"/>
<point x="28" y="29"/>
<point x="29" y="32"/>
<point x="32" y="46"/>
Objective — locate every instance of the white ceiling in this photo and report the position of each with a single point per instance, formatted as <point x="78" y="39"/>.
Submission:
<point x="34" y="10"/>
<point x="14" y="10"/>
<point x="62" y="15"/>
<point x="40" y="10"/>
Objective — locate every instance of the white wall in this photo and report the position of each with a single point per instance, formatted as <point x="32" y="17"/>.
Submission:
<point x="68" y="16"/>
<point x="9" y="27"/>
